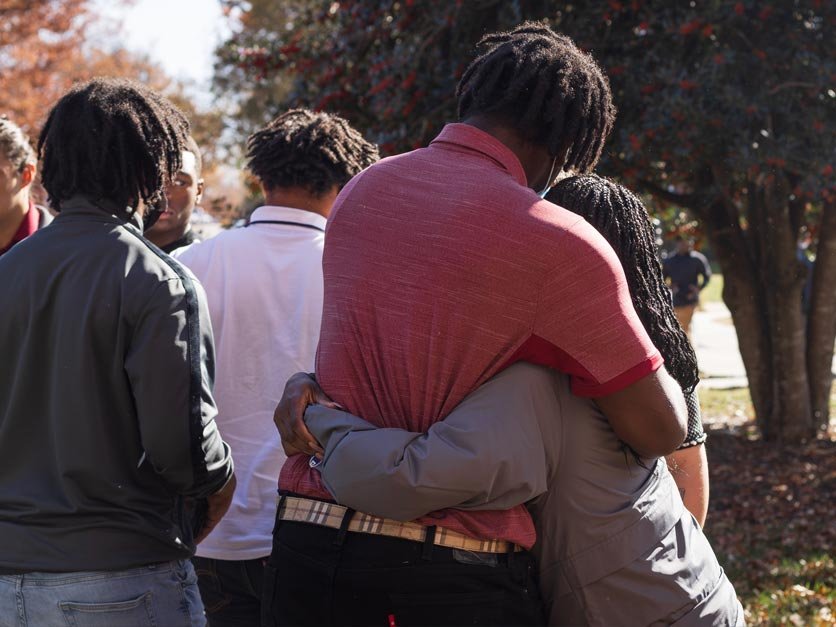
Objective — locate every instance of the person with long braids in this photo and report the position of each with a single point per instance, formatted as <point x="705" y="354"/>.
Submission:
<point x="615" y="545"/>
<point x="442" y="267"/>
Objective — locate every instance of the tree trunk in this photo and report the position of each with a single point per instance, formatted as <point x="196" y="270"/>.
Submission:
<point x="763" y="285"/>
<point x="744" y="300"/>
<point x="782" y="277"/>
<point x="821" y="323"/>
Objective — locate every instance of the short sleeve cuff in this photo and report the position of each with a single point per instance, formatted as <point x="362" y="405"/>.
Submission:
<point x="591" y="389"/>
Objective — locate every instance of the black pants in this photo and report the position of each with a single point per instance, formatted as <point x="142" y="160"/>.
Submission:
<point x="320" y="576"/>
<point x="231" y="590"/>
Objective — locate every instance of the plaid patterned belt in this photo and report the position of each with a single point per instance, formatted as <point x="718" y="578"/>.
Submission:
<point x="295" y="509"/>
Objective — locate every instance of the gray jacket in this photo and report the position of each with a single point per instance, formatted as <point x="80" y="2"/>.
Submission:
<point x="615" y="545"/>
<point x="106" y="411"/>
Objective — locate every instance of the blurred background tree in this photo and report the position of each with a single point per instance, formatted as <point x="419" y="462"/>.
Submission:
<point x="47" y="45"/>
<point x="726" y="111"/>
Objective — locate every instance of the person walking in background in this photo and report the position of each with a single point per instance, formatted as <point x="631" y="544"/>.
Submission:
<point x="19" y="216"/>
<point x="172" y="231"/>
<point x="688" y="272"/>
<point x="264" y="285"/>
<point x="106" y="411"/>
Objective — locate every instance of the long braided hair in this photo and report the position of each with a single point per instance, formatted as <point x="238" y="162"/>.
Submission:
<point x="312" y="150"/>
<point x="546" y="87"/>
<point x="111" y="139"/>
<point x="621" y="218"/>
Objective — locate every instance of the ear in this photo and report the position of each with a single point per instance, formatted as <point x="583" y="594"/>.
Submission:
<point x="200" y="187"/>
<point x="27" y="175"/>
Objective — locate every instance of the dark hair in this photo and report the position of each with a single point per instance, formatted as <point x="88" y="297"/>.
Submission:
<point x="623" y="221"/>
<point x="111" y="139"/>
<point x="192" y="147"/>
<point x="314" y="151"/>
<point x="551" y="91"/>
<point x="14" y="144"/>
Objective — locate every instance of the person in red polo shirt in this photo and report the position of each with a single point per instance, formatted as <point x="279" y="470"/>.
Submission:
<point x="442" y="267"/>
<point x="19" y="216"/>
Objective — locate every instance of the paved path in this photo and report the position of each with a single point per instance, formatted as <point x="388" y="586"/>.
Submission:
<point x="715" y="341"/>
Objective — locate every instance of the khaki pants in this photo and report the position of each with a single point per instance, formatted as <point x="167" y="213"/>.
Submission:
<point x="684" y="315"/>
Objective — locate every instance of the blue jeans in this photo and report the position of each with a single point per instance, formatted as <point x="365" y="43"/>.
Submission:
<point x="157" y="595"/>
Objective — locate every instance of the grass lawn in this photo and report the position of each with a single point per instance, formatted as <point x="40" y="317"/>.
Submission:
<point x="713" y="293"/>
<point x="771" y="519"/>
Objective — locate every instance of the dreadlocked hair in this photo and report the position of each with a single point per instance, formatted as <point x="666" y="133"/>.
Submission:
<point x="623" y="221"/>
<point x="312" y="150"/>
<point x="551" y="91"/>
<point x="111" y="139"/>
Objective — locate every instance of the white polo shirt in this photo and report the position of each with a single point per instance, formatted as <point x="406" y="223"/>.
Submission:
<point x="264" y="287"/>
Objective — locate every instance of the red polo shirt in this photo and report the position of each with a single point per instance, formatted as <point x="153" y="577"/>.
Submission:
<point x="27" y="227"/>
<point x="441" y="268"/>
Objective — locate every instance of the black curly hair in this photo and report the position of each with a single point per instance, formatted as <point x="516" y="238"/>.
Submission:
<point x="546" y="87"/>
<point x="312" y="150"/>
<point x="15" y="146"/>
<point x="621" y="218"/>
<point x="111" y="139"/>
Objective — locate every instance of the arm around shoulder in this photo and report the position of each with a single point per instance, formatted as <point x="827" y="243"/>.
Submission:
<point x="591" y="331"/>
<point x="487" y="454"/>
<point x="649" y="415"/>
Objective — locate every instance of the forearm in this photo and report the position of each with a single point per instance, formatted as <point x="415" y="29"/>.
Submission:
<point x="487" y="454"/>
<point x="689" y="468"/>
<point x="403" y="475"/>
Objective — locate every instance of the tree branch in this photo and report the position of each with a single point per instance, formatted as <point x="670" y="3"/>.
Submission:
<point x="790" y="84"/>
<point x="688" y="201"/>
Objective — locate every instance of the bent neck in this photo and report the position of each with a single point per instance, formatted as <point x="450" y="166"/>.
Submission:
<point x="300" y="198"/>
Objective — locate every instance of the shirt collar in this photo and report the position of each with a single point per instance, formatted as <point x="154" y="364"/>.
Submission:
<point x="84" y="206"/>
<point x="27" y="227"/>
<point x="188" y="238"/>
<point x="478" y="140"/>
<point x="288" y="214"/>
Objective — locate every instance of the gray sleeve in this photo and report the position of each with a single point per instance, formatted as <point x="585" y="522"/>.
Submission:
<point x="170" y="365"/>
<point x="487" y="454"/>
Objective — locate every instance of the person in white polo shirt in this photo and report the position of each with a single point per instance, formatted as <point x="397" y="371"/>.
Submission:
<point x="264" y="286"/>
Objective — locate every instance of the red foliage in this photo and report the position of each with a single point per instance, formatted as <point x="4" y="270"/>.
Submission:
<point x="690" y="27"/>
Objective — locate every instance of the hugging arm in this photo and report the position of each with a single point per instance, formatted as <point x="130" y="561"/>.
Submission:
<point x="487" y="454"/>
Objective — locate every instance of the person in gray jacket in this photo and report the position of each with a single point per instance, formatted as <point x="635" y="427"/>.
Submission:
<point x="106" y="411"/>
<point x="615" y="544"/>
